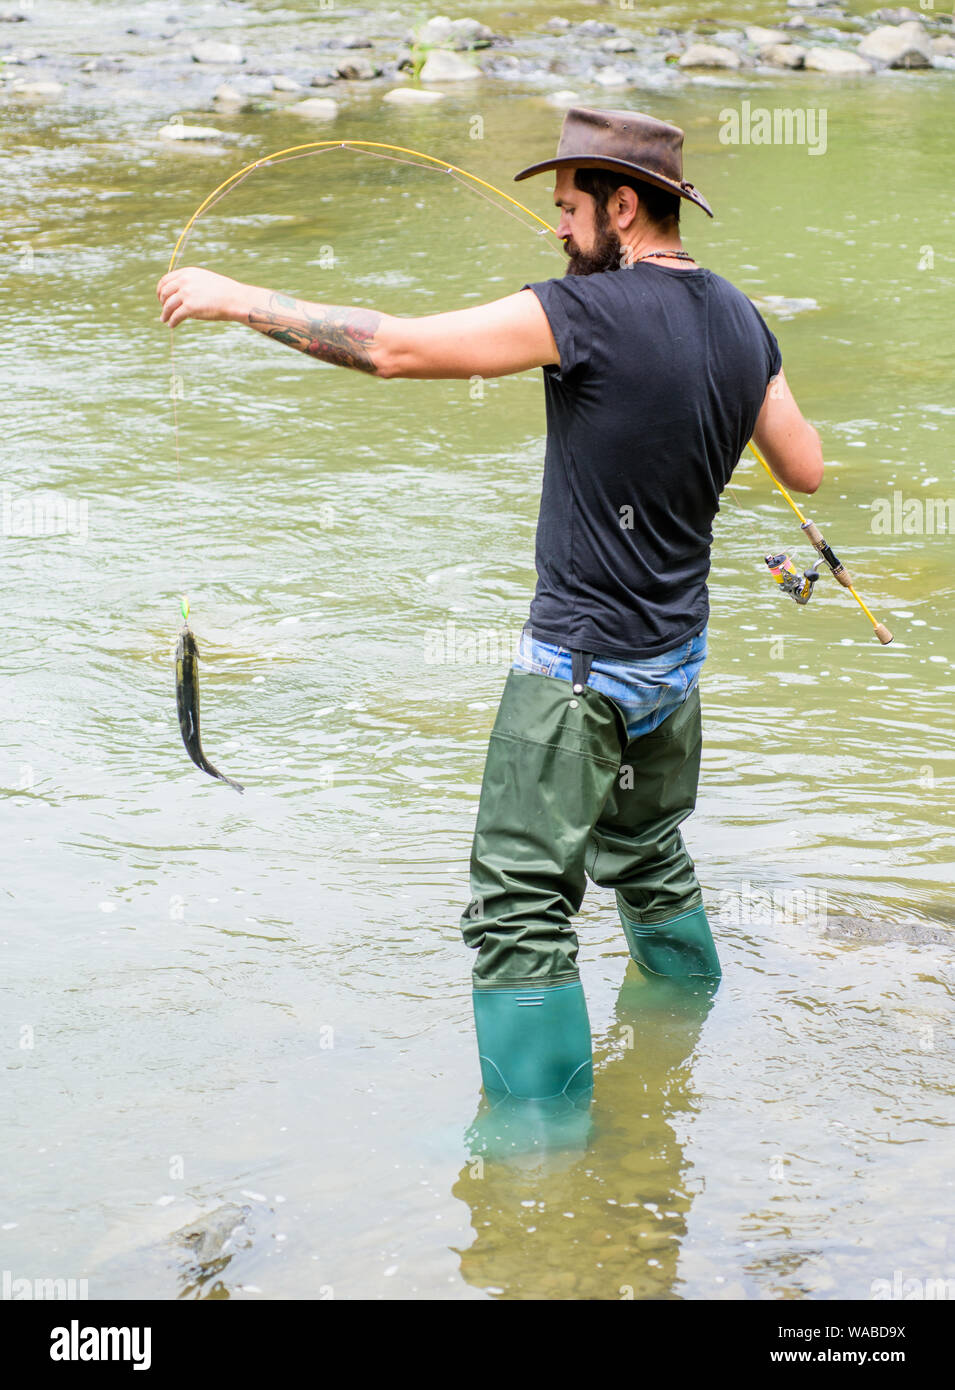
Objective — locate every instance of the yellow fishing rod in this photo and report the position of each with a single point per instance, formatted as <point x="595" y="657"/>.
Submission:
<point x="785" y="574"/>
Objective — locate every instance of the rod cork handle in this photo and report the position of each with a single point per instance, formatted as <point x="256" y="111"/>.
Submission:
<point x="820" y="543"/>
<point x="883" y="634"/>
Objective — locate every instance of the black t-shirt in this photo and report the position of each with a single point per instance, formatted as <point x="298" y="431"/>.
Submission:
<point x="662" y="375"/>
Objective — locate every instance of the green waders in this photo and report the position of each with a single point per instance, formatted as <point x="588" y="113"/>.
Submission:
<point x="566" y="794"/>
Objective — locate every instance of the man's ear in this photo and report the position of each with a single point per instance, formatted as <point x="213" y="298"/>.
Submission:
<point x="627" y="205"/>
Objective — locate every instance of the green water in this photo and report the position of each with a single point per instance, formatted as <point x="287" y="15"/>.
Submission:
<point x="265" y="1000"/>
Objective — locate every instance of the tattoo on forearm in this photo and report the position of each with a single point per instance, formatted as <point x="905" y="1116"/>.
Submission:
<point x="341" y="335"/>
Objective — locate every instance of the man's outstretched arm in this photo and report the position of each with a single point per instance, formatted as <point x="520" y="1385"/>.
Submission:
<point x="494" y="339"/>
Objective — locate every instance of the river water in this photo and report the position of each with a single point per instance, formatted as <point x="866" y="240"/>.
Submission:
<point x="264" y="1000"/>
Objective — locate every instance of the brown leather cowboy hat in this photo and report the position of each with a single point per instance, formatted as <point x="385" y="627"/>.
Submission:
<point x="629" y="141"/>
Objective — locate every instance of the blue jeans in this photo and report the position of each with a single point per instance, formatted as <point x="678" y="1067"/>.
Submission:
<point x="647" y="690"/>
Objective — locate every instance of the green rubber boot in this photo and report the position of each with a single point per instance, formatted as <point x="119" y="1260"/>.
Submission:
<point x="534" y="1043"/>
<point x="679" y="947"/>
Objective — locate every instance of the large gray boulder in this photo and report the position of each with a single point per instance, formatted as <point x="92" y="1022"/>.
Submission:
<point x="899" y="45"/>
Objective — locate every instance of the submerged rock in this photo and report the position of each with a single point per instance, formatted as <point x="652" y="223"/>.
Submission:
<point x="837" y="61"/>
<point x="281" y="83"/>
<point x="784" y="306"/>
<point x="612" y="77"/>
<point x="215" y="1236"/>
<point x="899" y="46"/>
<point x="710" y="55"/>
<point x="411" y="96"/>
<point x="914" y="933"/>
<point x="177" y="131"/>
<point x="563" y="98"/>
<point x="229" y="98"/>
<point x="41" y="90"/>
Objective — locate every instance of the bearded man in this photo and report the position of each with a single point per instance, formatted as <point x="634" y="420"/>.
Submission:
<point x="657" y="372"/>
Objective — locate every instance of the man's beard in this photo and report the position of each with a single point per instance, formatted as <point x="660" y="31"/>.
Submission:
<point x="606" y="253"/>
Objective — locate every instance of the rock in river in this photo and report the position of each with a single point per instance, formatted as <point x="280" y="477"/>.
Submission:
<point x="214" y="51"/>
<point x="411" y="96"/>
<point x="783" y="55"/>
<point x="836" y="60"/>
<point x="709" y="55"/>
<point x="323" y="108"/>
<point x="357" y="69"/>
<point x="177" y="131"/>
<point x="459" y="33"/>
<point x="36" y="91"/>
<point x="442" y="66"/>
<point x="899" y="46"/>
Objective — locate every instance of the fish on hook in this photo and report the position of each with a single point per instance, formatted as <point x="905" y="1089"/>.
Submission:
<point x="187" y="704"/>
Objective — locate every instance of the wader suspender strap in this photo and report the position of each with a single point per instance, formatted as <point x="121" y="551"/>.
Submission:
<point x="581" y="663"/>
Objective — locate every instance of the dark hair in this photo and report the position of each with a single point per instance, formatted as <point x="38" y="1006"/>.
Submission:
<point x="659" y="205"/>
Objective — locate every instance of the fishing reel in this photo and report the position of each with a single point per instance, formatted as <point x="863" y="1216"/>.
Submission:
<point x="797" y="586"/>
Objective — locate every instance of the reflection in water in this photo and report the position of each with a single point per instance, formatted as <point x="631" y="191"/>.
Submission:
<point x="578" y="1205"/>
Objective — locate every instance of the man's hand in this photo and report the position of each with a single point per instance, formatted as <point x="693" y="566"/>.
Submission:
<point x="191" y="293"/>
